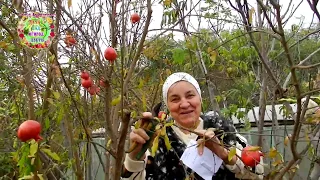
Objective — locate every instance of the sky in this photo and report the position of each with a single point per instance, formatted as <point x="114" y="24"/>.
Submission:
<point x="303" y="11"/>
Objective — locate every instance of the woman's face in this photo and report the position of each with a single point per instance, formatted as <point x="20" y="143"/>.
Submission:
<point x="184" y="103"/>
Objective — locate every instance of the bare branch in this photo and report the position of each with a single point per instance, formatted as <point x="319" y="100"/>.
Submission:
<point x="300" y="40"/>
<point x="314" y="8"/>
<point x="299" y="66"/>
<point x="310" y="92"/>
<point x="140" y="46"/>
<point x="307" y="67"/>
<point x="267" y="17"/>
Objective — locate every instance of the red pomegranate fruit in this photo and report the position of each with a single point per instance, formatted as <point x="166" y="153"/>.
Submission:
<point x="250" y="157"/>
<point x="29" y="129"/>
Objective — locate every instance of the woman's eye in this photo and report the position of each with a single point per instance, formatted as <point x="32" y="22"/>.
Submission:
<point x="190" y="95"/>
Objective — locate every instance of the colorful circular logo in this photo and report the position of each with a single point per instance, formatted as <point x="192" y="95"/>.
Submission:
<point x="36" y="30"/>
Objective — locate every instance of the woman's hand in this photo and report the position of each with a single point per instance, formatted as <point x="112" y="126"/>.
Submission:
<point x="140" y="137"/>
<point x="214" y="145"/>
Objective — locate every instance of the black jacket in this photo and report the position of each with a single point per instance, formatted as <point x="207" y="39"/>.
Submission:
<point x="166" y="165"/>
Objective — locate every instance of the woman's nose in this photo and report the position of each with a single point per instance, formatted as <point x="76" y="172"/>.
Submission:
<point x="184" y="103"/>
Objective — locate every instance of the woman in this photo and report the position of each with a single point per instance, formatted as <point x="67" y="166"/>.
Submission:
<point x="182" y="96"/>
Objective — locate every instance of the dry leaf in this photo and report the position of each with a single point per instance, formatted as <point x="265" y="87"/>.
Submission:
<point x="251" y="11"/>
<point x="273" y="152"/>
<point x="254" y="148"/>
<point x="286" y="141"/>
<point x="277" y="162"/>
<point x="69" y="3"/>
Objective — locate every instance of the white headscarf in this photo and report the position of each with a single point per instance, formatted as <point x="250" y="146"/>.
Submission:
<point x="175" y="77"/>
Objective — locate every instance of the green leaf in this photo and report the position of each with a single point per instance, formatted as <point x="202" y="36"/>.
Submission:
<point x="53" y="155"/>
<point x="46" y="123"/>
<point x="116" y="101"/>
<point x="33" y="149"/>
<point x="56" y="94"/>
<point x="155" y="145"/>
<point x="232" y="153"/>
<point x="167" y="142"/>
<point x="60" y="115"/>
<point x="26" y="177"/>
<point x="133" y="114"/>
<point x="178" y="56"/>
<point x="288" y="100"/>
<point x="141" y="84"/>
<point x="50" y="101"/>
<point x="168" y="124"/>
<point x="40" y="176"/>
<point x="137" y="124"/>
<point x="11" y="47"/>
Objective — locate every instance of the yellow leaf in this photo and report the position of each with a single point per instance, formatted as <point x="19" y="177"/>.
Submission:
<point x="3" y="45"/>
<point x="33" y="149"/>
<point x="163" y="116"/>
<point x="141" y="83"/>
<point x="109" y="143"/>
<point x="232" y="153"/>
<point x="163" y="131"/>
<point x="251" y="11"/>
<point x="53" y="155"/>
<point x="273" y="152"/>
<point x="137" y="124"/>
<point x="167" y="3"/>
<point x="168" y="72"/>
<point x="286" y="141"/>
<point x="32" y="160"/>
<point x="155" y="145"/>
<point x="168" y="124"/>
<point x="26" y="177"/>
<point x="69" y="3"/>
<point x="307" y="135"/>
<point x="144" y="102"/>
<point x="213" y="58"/>
<point x="254" y="148"/>
<point x="40" y="176"/>
<point x="116" y="101"/>
<point x="277" y="162"/>
<point x="133" y="114"/>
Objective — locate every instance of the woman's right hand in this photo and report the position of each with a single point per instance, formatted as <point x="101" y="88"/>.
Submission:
<point x="140" y="137"/>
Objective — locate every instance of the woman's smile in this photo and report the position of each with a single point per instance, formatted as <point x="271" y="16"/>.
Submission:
<point x="189" y="112"/>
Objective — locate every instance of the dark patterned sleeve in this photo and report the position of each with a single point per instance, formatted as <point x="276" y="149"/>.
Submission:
<point x="231" y="137"/>
<point x="223" y="126"/>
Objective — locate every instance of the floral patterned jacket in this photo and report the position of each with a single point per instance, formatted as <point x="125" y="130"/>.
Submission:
<point x="166" y="165"/>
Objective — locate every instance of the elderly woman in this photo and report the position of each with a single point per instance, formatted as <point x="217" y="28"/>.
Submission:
<point x="182" y="96"/>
